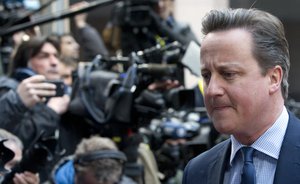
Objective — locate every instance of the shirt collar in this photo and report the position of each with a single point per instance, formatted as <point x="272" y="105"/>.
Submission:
<point x="270" y="142"/>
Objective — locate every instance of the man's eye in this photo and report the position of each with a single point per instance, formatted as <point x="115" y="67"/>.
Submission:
<point x="206" y="76"/>
<point x="42" y="55"/>
<point x="229" y="75"/>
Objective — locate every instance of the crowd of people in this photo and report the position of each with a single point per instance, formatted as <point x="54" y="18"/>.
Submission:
<point x="33" y="113"/>
<point x="244" y="66"/>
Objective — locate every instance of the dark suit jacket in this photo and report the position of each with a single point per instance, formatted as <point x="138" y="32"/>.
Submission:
<point x="209" y="167"/>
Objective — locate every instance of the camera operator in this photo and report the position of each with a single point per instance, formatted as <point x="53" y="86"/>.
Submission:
<point x="91" y="43"/>
<point x="38" y="56"/>
<point x="96" y="160"/>
<point x="41" y="113"/>
<point x="136" y="25"/>
<point x="165" y="10"/>
<point x="15" y="144"/>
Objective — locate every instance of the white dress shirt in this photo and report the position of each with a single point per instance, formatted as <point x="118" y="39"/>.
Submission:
<point x="267" y="148"/>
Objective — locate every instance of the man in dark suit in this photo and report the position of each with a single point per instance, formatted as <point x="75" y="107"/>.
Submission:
<point x="245" y="65"/>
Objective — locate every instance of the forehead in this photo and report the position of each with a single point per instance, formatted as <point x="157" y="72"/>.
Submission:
<point x="233" y="44"/>
<point x="228" y="38"/>
<point x="48" y="48"/>
<point x="67" y="38"/>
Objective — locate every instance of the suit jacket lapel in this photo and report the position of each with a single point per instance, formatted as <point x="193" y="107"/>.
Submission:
<point x="217" y="168"/>
<point x="288" y="165"/>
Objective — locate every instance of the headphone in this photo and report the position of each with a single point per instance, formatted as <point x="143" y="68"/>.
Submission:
<point x="95" y="155"/>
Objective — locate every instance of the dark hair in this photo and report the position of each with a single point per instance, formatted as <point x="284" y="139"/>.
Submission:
<point x="29" y="49"/>
<point x="270" y="44"/>
<point x="58" y="36"/>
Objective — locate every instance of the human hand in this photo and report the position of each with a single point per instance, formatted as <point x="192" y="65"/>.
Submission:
<point x="26" y="178"/>
<point x="164" y="85"/>
<point x="59" y="104"/>
<point x="34" y="90"/>
<point x="80" y="19"/>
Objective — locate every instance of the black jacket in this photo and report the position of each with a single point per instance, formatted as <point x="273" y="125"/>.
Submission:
<point x="26" y="123"/>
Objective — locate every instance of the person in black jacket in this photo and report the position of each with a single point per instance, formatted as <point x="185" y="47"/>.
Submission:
<point x="13" y="143"/>
<point x="18" y="98"/>
<point x="37" y="113"/>
<point x="36" y="56"/>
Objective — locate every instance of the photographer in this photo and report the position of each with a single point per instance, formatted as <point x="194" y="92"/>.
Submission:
<point x="20" y="97"/>
<point x="165" y="9"/>
<point x="36" y="56"/>
<point x="15" y="145"/>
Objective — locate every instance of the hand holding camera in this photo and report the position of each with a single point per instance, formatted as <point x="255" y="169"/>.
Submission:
<point x="33" y="90"/>
<point x="37" y="89"/>
<point x="58" y="102"/>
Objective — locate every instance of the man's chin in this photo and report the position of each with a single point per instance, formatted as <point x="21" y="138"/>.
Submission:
<point x="223" y="126"/>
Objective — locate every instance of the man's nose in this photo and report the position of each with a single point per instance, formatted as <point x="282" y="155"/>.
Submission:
<point x="54" y="60"/>
<point x="77" y="46"/>
<point x="214" y="87"/>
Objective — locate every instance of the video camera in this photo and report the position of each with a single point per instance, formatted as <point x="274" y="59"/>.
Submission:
<point x="107" y="96"/>
<point x="141" y="27"/>
<point x="135" y="13"/>
<point x="36" y="157"/>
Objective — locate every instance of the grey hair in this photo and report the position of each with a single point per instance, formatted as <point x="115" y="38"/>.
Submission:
<point x="106" y="170"/>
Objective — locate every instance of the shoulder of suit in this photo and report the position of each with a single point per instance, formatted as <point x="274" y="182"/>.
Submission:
<point x="214" y="152"/>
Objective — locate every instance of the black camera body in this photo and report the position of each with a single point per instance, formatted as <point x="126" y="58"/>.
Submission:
<point x="60" y="87"/>
<point x="136" y="13"/>
<point x="39" y="155"/>
<point x="23" y="73"/>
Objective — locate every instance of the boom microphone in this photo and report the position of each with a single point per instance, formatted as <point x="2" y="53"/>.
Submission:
<point x="57" y="16"/>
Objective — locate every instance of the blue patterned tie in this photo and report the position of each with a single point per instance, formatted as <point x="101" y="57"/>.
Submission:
<point x="248" y="175"/>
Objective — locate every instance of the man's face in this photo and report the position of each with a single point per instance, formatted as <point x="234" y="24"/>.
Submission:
<point x="46" y="62"/>
<point x="165" y="8"/>
<point x="69" y="47"/>
<point x="86" y="177"/>
<point x="66" y="73"/>
<point x="236" y="93"/>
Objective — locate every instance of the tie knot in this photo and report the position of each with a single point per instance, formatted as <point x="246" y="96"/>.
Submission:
<point x="247" y="154"/>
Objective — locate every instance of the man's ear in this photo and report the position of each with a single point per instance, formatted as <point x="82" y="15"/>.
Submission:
<point x="275" y="75"/>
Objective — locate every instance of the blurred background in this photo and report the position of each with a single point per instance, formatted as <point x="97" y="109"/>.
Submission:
<point x="141" y="89"/>
<point x="191" y="12"/>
